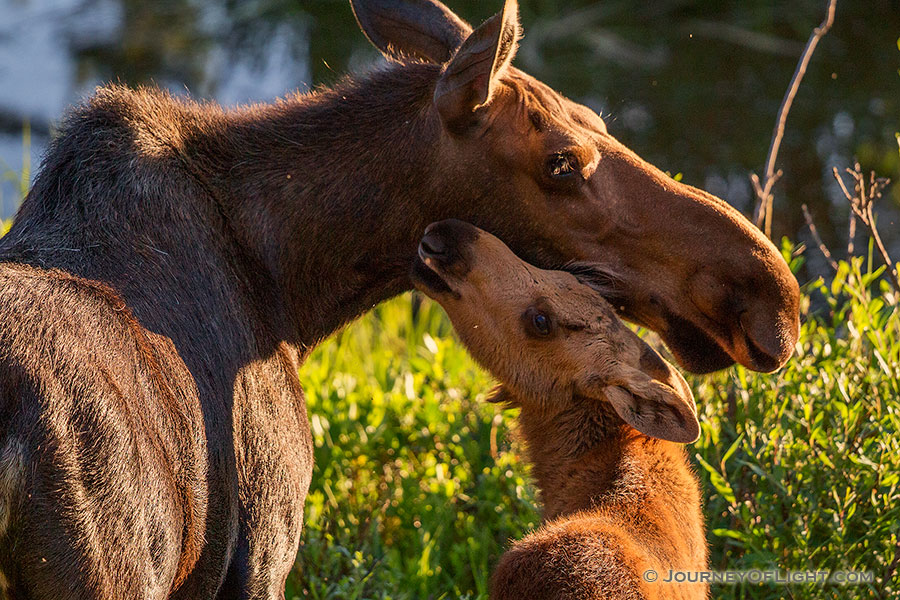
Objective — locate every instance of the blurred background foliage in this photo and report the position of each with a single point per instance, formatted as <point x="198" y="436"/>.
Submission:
<point x="691" y="85"/>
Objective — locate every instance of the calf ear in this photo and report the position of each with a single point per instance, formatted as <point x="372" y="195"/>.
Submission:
<point x="655" y="409"/>
<point x="469" y="79"/>
<point x="423" y="29"/>
<point x="651" y="396"/>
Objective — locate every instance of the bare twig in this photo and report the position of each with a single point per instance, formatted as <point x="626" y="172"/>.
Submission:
<point x="763" y="213"/>
<point x="862" y="204"/>
<point x="815" y="233"/>
<point x="840" y="180"/>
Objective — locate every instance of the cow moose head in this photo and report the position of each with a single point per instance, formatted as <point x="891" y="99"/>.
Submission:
<point x="543" y="173"/>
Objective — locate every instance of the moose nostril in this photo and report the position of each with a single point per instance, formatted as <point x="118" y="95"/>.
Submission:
<point x="433" y="245"/>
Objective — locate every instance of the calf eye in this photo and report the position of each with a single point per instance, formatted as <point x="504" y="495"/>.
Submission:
<point x="562" y="165"/>
<point x="538" y="323"/>
<point x="541" y="324"/>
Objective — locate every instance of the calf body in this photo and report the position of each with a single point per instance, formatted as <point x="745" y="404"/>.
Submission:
<point x="617" y="505"/>
<point x="603" y="416"/>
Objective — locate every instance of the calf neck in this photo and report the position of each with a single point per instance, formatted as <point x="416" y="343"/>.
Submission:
<point x="621" y="512"/>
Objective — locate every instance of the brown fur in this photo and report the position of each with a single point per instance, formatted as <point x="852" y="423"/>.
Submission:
<point x="175" y="263"/>
<point x="617" y="503"/>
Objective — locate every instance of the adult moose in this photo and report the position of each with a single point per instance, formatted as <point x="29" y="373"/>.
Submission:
<point x="175" y="263"/>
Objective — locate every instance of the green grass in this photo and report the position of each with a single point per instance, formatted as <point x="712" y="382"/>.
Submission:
<point x="418" y="485"/>
<point x="409" y="500"/>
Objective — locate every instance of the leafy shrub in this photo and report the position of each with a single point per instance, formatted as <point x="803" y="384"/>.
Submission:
<point x="801" y="468"/>
<point x="412" y="496"/>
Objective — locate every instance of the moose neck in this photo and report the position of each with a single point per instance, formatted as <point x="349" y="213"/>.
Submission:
<point x="332" y="191"/>
<point x="587" y="456"/>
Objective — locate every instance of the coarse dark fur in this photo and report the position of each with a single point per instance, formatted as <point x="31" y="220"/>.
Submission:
<point x="175" y="263"/>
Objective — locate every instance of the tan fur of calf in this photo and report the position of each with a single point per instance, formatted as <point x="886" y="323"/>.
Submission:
<point x="604" y="418"/>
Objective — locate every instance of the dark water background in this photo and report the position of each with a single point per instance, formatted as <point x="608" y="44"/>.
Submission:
<point x="692" y="86"/>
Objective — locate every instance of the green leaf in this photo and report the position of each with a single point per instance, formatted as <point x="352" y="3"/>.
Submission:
<point x="731" y="449"/>
<point x="720" y="483"/>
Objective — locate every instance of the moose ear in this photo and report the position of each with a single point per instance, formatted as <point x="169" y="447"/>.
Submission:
<point x="652" y="397"/>
<point x="469" y="79"/>
<point x="423" y="29"/>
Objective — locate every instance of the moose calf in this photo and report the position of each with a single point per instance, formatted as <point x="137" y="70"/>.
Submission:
<point x="603" y="416"/>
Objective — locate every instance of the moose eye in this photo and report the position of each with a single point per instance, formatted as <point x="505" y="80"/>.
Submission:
<point x="562" y="165"/>
<point x="541" y="323"/>
<point x="538" y="323"/>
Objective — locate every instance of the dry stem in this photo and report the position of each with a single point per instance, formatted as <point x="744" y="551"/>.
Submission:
<point x="763" y="213"/>
<point x="862" y="203"/>
<point x="815" y="233"/>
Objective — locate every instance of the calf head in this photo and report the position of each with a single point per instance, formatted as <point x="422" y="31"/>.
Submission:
<point x="518" y="159"/>
<point x="550" y="339"/>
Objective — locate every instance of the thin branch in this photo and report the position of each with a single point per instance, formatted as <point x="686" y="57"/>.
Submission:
<point x="840" y="180"/>
<point x="763" y="214"/>
<point x="891" y="269"/>
<point x="862" y="203"/>
<point x="815" y="233"/>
